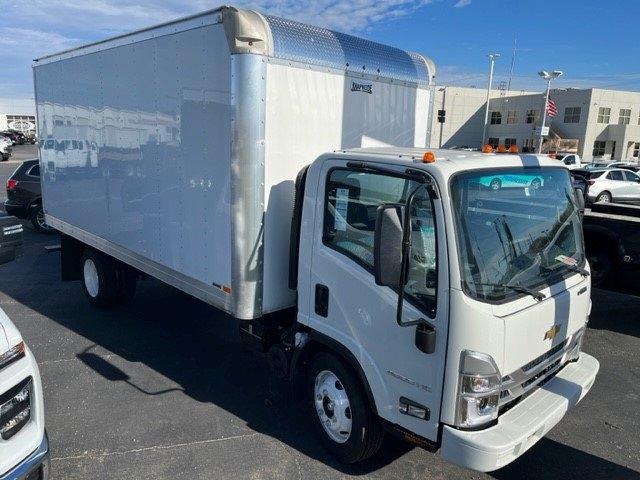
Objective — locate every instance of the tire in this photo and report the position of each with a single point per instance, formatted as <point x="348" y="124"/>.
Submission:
<point x="354" y="432"/>
<point x="38" y="221"/>
<point x="536" y="183"/>
<point x="99" y="279"/>
<point x="604" y="197"/>
<point x="602" y="263"/>
<point x="496" y="184"/>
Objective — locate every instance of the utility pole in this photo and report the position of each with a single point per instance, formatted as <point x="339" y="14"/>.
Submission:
<point x="548" y="77"/>
<point x="513" y="63"/>
<point x="492" y="59"/>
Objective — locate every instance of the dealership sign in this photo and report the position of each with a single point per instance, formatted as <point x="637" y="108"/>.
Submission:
<point x="21" y="125"/>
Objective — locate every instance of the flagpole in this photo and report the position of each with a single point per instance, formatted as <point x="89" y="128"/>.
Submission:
<point x="492" y="59"/>
<point x="544" y="114"/>
<point x="548" y="77"/>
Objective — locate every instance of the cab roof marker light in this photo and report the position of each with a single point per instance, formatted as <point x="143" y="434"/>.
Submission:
<point x="487" y="148"/>
<point x="428" y="157"/>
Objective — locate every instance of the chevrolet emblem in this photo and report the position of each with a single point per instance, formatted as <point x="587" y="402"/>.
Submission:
<point x="552" y="332"/>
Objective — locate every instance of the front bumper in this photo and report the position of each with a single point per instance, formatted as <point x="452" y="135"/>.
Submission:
<point x="35" y="467"/>
<point x="521" y="427"/>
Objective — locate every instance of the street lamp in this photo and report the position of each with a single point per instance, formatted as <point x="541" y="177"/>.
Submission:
<point x="548" y="76"/>
<point x="492" y="60"/>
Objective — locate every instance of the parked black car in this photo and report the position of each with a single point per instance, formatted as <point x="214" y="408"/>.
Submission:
<point x="24" y="195"/>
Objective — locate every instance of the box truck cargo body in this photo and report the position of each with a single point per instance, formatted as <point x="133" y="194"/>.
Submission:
<point x="192" y="133"/>
<point x="405" y="293"/>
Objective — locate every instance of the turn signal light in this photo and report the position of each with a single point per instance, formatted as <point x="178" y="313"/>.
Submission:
<point x="487" y="148"/>
<point x="11" y="184"/>
<point x="428" y="157"/>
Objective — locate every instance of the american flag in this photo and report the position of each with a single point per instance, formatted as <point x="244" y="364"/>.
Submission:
<point x="552" y="111"/>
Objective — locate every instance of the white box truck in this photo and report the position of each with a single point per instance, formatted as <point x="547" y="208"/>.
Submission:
<point x="408" y="295"/>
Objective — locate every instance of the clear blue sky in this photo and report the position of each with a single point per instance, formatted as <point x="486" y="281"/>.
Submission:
<point x="596" y="43"/>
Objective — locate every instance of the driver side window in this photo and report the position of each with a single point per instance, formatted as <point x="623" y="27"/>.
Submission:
<point x="351" y="203"/>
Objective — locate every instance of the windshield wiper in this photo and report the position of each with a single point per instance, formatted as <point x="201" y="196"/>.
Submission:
<point x="577" y="269"/>
<point x="572" y="268"/>
<point x="517" y="288"/>
<point x="522" y="289"/>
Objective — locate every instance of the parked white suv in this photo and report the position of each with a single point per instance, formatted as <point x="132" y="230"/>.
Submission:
<point x="613" y="185"/>
<point x="5" y="148"/>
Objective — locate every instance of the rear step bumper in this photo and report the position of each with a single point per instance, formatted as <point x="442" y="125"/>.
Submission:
<point x="521" y="427"/>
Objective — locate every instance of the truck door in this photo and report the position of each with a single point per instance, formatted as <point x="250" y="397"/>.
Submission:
<point x="349" y="307"/>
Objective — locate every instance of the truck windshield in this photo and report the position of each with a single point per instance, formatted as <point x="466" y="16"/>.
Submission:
<point x="515" y="227"/>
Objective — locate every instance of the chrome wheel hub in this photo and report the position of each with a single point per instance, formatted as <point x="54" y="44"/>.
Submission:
<point x="91" y="280"/>
<point x="332" y="406"/>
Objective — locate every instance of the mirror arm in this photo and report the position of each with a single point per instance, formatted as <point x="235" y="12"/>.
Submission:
<point x="406" y="244"/>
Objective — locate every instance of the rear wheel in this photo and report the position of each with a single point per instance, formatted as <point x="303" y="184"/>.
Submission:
<point x="536" y="183"/>
<point x="495" y="184"/>
<point x="39" y="222"/>
<point x="106" y="282"/>
<point x="340" y="410"/>
<point x="604" y="197"/>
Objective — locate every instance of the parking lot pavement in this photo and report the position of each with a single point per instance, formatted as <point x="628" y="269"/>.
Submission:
<point x="163" y="388"/>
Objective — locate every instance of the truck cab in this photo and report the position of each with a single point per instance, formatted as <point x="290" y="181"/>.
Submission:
<point x="571" y="160"/>
<point x="436" y="307"/>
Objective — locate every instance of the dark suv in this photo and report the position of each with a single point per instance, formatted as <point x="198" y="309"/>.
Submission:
<point x="24" y="195"/>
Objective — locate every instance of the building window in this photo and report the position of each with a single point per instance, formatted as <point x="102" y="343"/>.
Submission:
<point x="598" y="148"/>
<point x="508" y="142"/>
<point x="625" y="116"/>
<point x="636" y="150"/>
<point x="527" y="146"/>
<point x="496" y="118"/>
<point x="532" y="116"/>
<point x="572" y="114"/>
<point x="512" y="117"/>
<point x="604" y="114"/>
<point x="494" y="142"/>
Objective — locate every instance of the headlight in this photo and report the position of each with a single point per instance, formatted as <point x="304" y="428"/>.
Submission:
<point x="12" y="355"/>
<point x="478" y="390"/>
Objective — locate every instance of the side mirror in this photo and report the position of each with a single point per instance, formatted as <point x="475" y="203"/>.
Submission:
<point x="425" y="339"/>
<point x="579" y="199"/>
<point x="387" y="246"/>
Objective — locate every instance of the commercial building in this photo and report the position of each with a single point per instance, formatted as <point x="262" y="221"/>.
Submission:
<point x="595" y="123"/>
<point x="18" y="114"/>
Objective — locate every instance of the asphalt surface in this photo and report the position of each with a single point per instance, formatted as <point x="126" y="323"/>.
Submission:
<point x="163" y="388"/>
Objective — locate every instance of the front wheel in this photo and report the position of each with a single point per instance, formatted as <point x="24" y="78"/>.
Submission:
<point x="340" y="410"/>
<point x="495" y="184"/>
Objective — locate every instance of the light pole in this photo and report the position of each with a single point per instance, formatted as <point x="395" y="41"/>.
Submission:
<point x="548" y="77"/>
<point x="492" y="60"/>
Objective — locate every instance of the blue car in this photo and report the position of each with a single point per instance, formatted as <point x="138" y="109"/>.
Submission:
<point x="496" y="182"/>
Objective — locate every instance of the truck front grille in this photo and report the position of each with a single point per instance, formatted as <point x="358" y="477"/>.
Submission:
<point x="537" y="371"/>
<point x="15" y="409"/>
